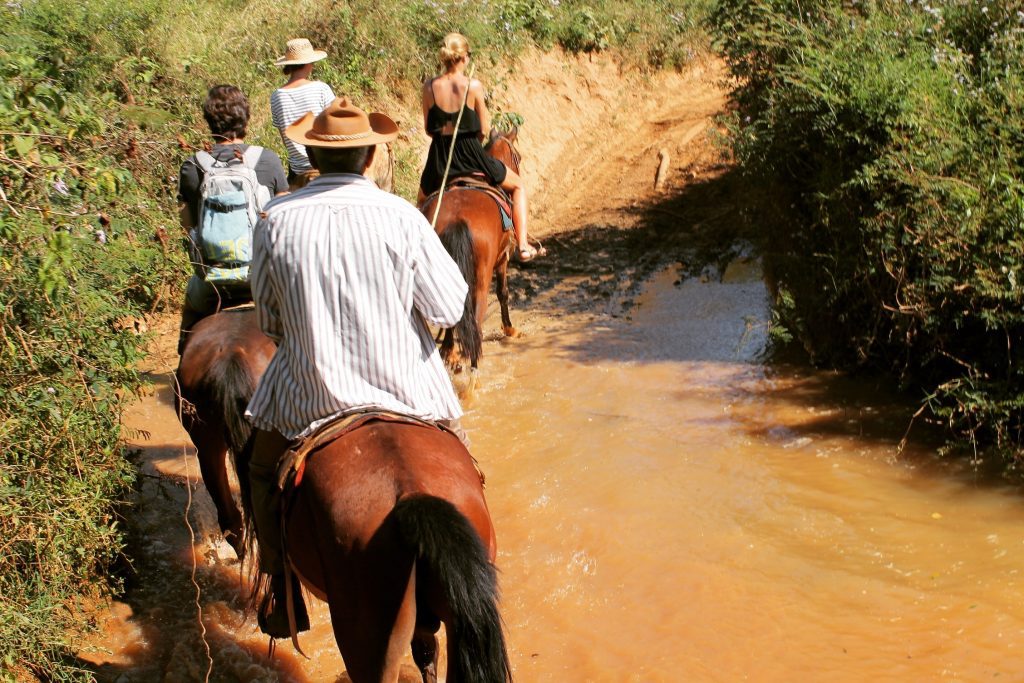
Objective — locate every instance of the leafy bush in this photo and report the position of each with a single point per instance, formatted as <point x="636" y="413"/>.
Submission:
<point x="584" y="33"/>
<point x="887" y="142"/>
<point x="78" y="258"/>
<point x="657" y="33"/>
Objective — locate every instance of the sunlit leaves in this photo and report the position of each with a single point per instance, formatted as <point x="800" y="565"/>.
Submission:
<point x="888" y="138"/>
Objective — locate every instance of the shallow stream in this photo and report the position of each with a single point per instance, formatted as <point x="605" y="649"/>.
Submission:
<point x="668" y="508"/>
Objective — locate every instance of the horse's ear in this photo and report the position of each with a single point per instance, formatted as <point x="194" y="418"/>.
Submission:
<point x="511" y="135"/>
<point x="494" y="135"/>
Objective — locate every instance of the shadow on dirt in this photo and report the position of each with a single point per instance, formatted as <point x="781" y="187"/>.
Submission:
<point x="155" y="634"/>
<point x="694" y="225"/>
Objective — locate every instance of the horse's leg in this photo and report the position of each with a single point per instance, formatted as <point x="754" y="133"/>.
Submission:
<point x="373" y="625"/>
<point x="448" y="353"/>
<point x="211" y="450"/>
<point x="502" y="290"/>
<point x="484" y="274"/>
<point x="424" y="647"/>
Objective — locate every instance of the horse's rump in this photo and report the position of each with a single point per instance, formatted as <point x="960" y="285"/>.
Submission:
<point x="360" y="475"/>
<point x="223" y="360"/>
<point x="390" y="526"/>
<point x="294" y="462"/>
<point x="471" y="228"/>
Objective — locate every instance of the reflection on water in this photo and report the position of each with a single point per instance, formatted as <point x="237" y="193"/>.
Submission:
<point x="668" y="509"/>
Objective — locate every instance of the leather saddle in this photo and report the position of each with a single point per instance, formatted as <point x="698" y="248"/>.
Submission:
<point x="479" y="183"/>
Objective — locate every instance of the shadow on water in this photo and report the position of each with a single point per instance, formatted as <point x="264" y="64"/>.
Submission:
<point x="682" y="283"/>
<point x="155" y="633"/>
<point x="870" y="409"/>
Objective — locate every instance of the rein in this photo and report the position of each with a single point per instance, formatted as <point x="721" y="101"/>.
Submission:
<point x="451" y="150"/>
<point x="516" y="156"/>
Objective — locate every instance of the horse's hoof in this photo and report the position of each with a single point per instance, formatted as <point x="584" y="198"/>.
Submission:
<point x="510" y="331"/>
<point x="235" y="540"/>
<point x="464" y="383"/>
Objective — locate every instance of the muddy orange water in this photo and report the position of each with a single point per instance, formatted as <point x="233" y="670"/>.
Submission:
<point x="668" y="506"/>
<point x="668" y="509"/>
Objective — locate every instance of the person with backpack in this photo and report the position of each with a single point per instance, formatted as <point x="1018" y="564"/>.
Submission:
<point x="300" y="94"/>
<point x="221" y="193"/>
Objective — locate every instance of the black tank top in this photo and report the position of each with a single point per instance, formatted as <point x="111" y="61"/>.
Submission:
<point x="468" y="156"/>
<point x="438" y="118"/>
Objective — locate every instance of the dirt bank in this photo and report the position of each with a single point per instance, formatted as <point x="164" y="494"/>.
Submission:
<point x="592" y="142"/>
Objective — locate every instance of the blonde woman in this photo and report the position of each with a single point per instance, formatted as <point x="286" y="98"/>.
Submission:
<point x="290" y="102"/>
<point x="442" y="100"/>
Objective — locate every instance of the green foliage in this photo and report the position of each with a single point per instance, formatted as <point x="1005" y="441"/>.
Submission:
<point x="585" y="33"/>
<point x="657" y="33"/>
<point x="887" y="140"/>
<point x="507" y="120"/>
<point x="73" y="264"/>
<point x="535" y="18"/>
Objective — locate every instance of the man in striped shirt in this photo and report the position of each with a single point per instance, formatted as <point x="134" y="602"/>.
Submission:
<point x="345" y="277"/>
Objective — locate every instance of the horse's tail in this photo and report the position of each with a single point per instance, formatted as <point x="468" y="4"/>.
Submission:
<point x="232" y="381"/>
<point x="458" y="240"/>
<point x="448" y="547"/>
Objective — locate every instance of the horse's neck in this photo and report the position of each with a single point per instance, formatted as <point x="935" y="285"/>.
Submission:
<point x="501" y="150"/>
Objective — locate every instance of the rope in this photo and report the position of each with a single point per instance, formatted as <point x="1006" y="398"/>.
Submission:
<point x="192" y="544"/>
<point x="451" y="150"/>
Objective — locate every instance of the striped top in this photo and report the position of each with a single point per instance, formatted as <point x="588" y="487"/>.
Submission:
<point x="341" y="274"/>
<point x="287" y="105"/>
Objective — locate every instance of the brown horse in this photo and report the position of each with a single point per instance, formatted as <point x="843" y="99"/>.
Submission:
<point x="470" y="227"/>
<point x="389" y="525"/>
<point x="223" y="348"/>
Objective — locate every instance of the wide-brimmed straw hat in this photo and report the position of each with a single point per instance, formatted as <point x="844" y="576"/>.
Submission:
<point x="342" y="124"/>
<point x="299" y="51"/>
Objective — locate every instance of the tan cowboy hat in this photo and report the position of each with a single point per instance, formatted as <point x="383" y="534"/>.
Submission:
<point x="299" y="51"/>
<point x="342" y="124"/>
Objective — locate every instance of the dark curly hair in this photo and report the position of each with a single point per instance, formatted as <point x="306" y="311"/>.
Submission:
<point x="226" y="111"/>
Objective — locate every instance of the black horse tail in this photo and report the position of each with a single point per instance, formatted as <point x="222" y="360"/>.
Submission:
<point x="458" y="240"/>
<point x="232" y="381"/>
<point x="449" y="549"/>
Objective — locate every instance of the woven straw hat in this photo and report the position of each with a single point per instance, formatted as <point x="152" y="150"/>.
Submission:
<point x="299" y="51"/>
<point x="342" y="124"/>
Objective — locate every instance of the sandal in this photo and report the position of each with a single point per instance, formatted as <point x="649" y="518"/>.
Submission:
<point x="529" y="253"/>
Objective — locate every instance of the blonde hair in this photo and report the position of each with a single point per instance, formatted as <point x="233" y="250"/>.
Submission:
<point x="454" y="48"/>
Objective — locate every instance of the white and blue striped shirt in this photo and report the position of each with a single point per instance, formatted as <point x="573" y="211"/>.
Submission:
<point x="341" y="274"/>
<point x="287" y="105"/>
